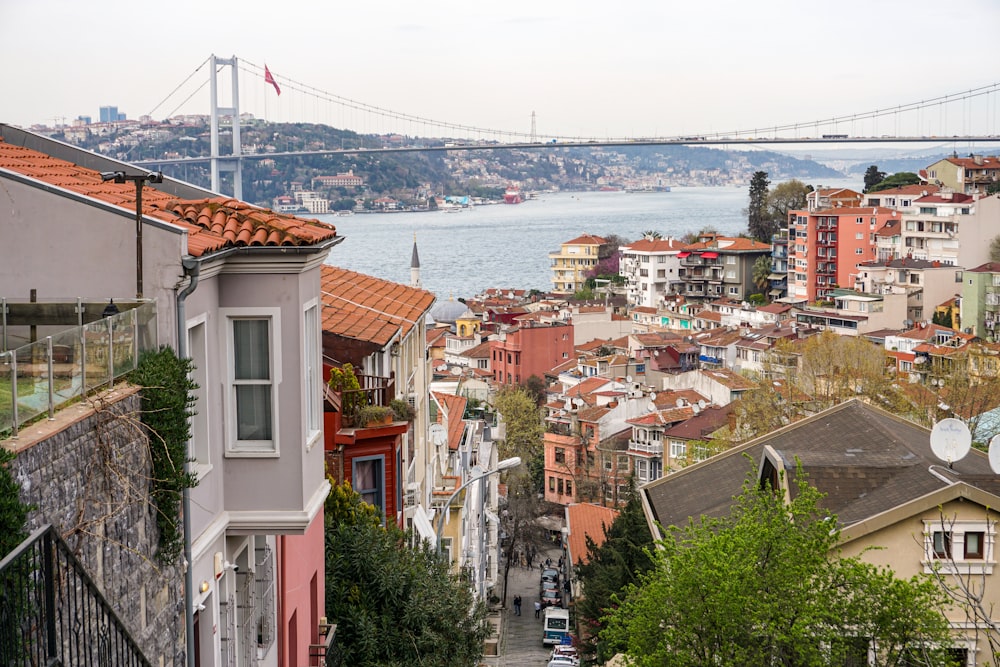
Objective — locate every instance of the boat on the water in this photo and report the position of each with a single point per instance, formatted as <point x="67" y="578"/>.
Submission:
<point x="512" y="196"/>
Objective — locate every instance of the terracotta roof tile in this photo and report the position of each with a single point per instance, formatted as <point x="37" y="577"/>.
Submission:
<point x="212" y="223"/>
<point x="586" y="520"/>
<point x="366" y="308"/>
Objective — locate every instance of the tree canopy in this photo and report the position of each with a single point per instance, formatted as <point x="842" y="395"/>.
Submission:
<point x="873" y="177"/>
<point x="785" y="197"/>
<point x="759" y="222"/>
<point x="765" y="586"/>
<point x="523" y="429"/>
<point x="395" y="604"/>
<point x="621" y="560"/>
<point x="897" y="180"/>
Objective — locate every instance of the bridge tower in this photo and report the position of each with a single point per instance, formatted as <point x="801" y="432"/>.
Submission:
<point x="534" y="134"/>
<point x="229" y="163"/>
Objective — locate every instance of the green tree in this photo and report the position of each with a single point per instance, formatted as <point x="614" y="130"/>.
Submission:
<point x="621" y="560"/>
<point x="765" y="586"/>
<point x="873" y="177"/>
<point x="13" y="513"/>
<point x="785" y="197"/>
<point x="897" y="180"/>
<point x="759" y="223"/>
<point x="534" y="386"/>
<point x="522" y="421"/>
<point x="995" y="249"/>
<point x="393" y="603"/>
<point x="760" y="272"/>
<point x="652" y="235"/>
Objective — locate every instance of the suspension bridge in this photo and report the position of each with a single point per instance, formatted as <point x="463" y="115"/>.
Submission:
<point x="978" y="108"/>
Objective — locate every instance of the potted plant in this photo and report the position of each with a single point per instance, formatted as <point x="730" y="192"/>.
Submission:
<point x="372" y="415"/>
<point x="344" y="381"/>
<point x="402" y="410"/>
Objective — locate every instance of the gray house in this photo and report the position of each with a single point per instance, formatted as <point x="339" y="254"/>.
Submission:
<point x="237" y="289"/>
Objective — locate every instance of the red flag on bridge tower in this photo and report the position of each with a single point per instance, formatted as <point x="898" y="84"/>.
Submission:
<point x="270" y="79"/>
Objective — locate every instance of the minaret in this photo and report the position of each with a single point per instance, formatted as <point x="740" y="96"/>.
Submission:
<point x="415" y="265"/>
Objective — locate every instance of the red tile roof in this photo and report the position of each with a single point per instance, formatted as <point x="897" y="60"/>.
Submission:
<point x="587" y="239"/>
<point x="212" y="223"/>
<point x="587" y="520"/>
<point x="370" y="309"/>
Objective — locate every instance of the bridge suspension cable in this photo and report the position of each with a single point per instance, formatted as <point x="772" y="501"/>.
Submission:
<point x="257" y="71"/>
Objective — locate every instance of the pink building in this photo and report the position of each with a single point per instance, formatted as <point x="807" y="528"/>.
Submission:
<point x="302" y="591"/>
<point x="530" y="348"/>
<point x="825" y="247"/>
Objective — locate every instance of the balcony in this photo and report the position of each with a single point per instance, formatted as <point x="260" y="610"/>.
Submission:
<point x="71" y="361"/>
<point x="646" y="447"/>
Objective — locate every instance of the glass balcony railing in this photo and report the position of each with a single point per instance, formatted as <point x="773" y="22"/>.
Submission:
<point x="40" y="377"/>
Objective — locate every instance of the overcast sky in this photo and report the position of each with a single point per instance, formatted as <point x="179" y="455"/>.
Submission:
<point x="585" y="68"/>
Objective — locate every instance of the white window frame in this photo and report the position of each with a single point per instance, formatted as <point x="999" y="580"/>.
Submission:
<point x="312" y="374"/>
<point x="201" y="421"/>
<point x="251" y="448"/>
<point x="959" y="564"/>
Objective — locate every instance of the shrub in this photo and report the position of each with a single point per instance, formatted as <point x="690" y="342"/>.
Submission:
<point x="402" y="410"/>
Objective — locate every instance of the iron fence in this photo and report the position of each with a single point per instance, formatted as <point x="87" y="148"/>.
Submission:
<point x="52" y="613"/>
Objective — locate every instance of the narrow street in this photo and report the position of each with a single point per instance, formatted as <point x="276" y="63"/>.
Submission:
<point x="520" y="642"/>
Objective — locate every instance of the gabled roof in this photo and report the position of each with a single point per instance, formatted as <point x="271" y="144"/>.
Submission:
<point x="654" y="245"/>
<point x="728" y="378"/>
<point x="481" y="351"/>
<point x="725" y="244"/>
<point x="702" y="425"/>
<point x="367" y="308"/>
<point x="586" y="520"/>
<point x="212" y="224"/>
<point x="454" y="409"/>
<point x="587" y="239"/>
<point x="865" y="460"/>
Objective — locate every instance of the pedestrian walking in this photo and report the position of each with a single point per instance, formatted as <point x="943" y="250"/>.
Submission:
<point x="538" y="609"/>
<point x="517" y="605"/>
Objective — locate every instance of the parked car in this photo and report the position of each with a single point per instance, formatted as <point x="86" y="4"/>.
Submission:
<point x="551" y="598"/>
<point x="565" y="653"/>
<point x="550" y="574"/>
<point x="548" y="586"/>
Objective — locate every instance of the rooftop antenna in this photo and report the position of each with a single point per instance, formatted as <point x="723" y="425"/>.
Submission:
<point x="951" y="440"/>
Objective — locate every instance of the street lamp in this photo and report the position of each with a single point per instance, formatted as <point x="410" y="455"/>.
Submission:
<point x="512" y="462"/>
<point x="139" y="180"/>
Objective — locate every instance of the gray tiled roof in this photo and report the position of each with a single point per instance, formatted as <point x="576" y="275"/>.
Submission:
<point x="865" y="460"/>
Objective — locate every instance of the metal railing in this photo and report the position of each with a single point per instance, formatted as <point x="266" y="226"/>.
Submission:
<point x="43" y="376"/>
<point x="52" y="613"/>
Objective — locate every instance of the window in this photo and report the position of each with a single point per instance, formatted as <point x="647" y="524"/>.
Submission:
<point x="974" y="545"/>
<point x="559" y="486"/>
<point x="569" y="487"/>
<point x="254" y="357"/>
<point x="446" y="548"/>
<point x="859" y="251"/>
<point x="623" y="461"/>
<point x="552" y="483"/>
<point x="730" y="259"/>
<point x="941" y="544"/>
<point x="734" y="291"/>
<point x="368" y="479"/>
<point x="312" y="374"/>
<point x="560" y="455"/>
<point x="201" y="419"/>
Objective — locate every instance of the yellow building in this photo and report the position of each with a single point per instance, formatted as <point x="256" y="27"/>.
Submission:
<point x="575" y="260"/>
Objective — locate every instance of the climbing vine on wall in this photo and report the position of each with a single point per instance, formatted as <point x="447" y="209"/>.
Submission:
<point x="13" y="513"/>
<point x="167" y="406"/>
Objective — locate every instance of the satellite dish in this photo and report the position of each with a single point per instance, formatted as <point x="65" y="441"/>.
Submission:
<point x="456" y="370"/>
<point x="995" y="454"/>
<point x="701" y="404"/>
<point x="438" y="434"/>
<point x="628" y="378"/>
<point x="577" y="402"/>
<point x="679" y="402"/>
<point x="950" y="440"/>
<point x="652" y="395"/>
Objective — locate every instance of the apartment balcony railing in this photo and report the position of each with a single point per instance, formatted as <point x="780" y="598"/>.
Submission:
<point x="44" y="375"/>
<point x="651" y="447"/>
<point x="52" y="613"/>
